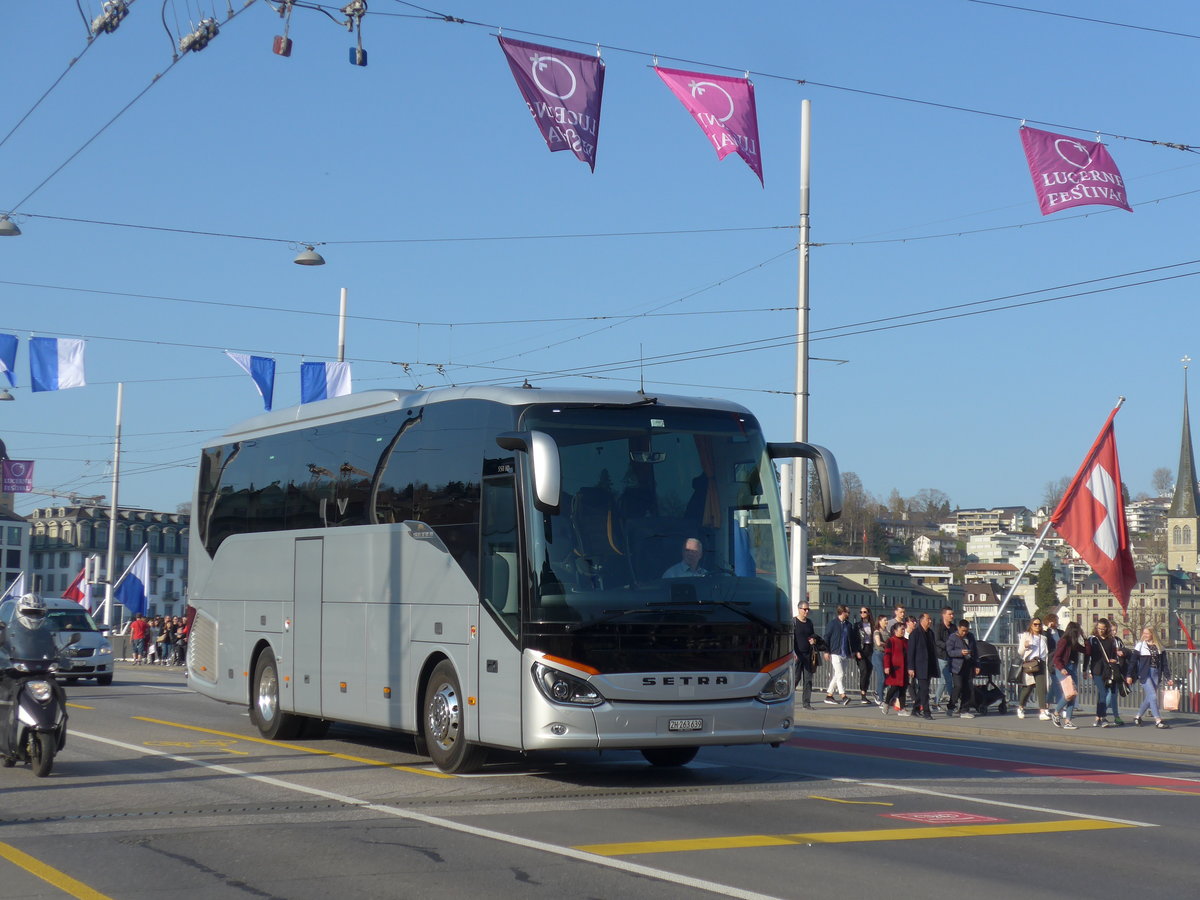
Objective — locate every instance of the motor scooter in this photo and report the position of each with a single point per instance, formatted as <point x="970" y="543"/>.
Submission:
<point x="33" y="706"/>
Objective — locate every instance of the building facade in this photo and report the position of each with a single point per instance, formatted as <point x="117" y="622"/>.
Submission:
<point x="63" y="537"/>
<point x="14" y="545"/>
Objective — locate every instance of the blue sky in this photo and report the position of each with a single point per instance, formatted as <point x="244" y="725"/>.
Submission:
<point x="430" y="144"/>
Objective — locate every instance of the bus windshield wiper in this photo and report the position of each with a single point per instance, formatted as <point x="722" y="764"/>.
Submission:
<point x="733" y="607"/>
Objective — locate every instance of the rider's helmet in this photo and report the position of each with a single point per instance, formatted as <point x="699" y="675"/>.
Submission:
<point x="31" y="610"/>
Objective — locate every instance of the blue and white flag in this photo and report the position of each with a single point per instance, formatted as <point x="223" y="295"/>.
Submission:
<point x="8" y="357"/>
<point x="55" y="364"/>
<point x="133" y="588"/>
<point x="262" y="370"/>
<point x="16" y="589"/>
<point x="320" y="381"/>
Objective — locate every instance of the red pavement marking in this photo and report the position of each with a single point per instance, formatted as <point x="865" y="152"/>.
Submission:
<point x="944" y="818"/>
<point x="1001" y="765"/>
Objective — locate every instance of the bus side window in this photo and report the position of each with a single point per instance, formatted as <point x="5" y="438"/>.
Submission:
<point x="499" y="571"/>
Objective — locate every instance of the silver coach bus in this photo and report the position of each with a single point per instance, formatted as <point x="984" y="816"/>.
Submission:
<point x="486" y="567"/>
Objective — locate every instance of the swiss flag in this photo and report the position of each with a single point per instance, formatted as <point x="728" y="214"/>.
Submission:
<point x="1091" y="516"/>
<point x="80" y="591"/>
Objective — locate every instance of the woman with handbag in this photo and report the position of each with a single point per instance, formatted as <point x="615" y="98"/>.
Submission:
<point x="1067" y="651"/>
<point x="1033" y="653"/>
<point x="879" y="642"/>
<point x="1148" y="665"/>
<point x="1106" y="657"/>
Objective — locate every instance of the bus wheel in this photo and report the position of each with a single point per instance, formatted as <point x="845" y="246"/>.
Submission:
<point x="264" y="706"/>
<point x="444" y="725"/>
<point x="670" y="756"/>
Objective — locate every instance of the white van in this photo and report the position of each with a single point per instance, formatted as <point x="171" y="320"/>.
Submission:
<point x="92" y="656"/>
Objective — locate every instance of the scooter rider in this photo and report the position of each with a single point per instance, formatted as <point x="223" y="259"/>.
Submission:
<point x="28" y="657"/>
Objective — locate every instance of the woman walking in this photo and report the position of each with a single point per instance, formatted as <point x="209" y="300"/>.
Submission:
<point x="1034" y="655"/>
<point x="1106" y="661"/>
<point x="1148" y="665"/>
<point x="1067" y="652"/>
<point x="895" y="670"/>
<point x="879" y="642"/>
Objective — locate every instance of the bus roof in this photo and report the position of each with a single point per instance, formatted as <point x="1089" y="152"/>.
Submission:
<point x="364" y="403"/>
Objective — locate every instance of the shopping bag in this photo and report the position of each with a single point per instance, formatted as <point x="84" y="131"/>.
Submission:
<point x="1171" y="699"/>
<point x="1067" y="683"/>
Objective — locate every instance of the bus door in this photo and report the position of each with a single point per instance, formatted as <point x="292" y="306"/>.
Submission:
<point x="499" y="660"/>
<point x="305" y="664"/>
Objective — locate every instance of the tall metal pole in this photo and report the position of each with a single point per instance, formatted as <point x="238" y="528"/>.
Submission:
<point x="342" y="329"/>
<point x="111" y="560"/>
<point x="798" y="532"/>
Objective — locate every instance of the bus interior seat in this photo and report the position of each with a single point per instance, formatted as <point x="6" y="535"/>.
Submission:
<point x="598" y="538"/>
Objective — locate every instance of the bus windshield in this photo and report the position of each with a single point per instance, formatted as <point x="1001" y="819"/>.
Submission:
<point x="666" y="515"/>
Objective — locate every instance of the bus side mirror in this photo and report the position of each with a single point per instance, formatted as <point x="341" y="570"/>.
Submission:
<point x="827" y="472"/>
<point x="543" y="461"/>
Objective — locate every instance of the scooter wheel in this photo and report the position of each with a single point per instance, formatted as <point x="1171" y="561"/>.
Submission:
<point x="41" y="753"/>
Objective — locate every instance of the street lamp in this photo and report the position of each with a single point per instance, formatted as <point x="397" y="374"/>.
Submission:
<point x="8" y="228"/>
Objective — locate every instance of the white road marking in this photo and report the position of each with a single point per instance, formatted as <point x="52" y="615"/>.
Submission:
<point x="437" y="822"/>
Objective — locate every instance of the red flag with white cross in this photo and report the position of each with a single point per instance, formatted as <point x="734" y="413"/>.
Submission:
<point x="1091" y="515"/>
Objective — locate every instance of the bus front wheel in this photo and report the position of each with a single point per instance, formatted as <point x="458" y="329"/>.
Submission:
<point x="265" y="713"/>
<point x="445" y="724"/>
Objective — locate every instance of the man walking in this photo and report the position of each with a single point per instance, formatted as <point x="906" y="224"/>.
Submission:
<point x="942" y="630"/>
<point x="964" y="662"/>
<point x="922" y="665"/>
<point x="865" y="647"/>
<point x="842" y="640"/>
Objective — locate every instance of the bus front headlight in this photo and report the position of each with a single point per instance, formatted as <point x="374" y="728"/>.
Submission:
<point x="559" y="687"/>
<point x="777" y="688"/>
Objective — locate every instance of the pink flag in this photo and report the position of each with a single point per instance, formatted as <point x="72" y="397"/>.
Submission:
<point x="564" y="91"/>
<point x="723" y="107"/>
<point x="1069" y="172"/>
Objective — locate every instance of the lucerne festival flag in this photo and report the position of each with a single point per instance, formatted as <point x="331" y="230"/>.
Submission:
<point x="17" y="476"/>
<point x="133" y="588"/>
<point x="55" y="364"/>
<point x="724" y="109"/>
<point x="80" y="590"/>
<point x="8" y="357"/>
<point x="1091" y="515"/>
<point x="1069" y="172"/>
<point x="564" y="91"/>
<point x="262" y="370"/>
<point x="321" y="380"/>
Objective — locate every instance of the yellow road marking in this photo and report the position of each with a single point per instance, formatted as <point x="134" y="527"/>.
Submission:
<point x="79" y="706"/>
<point x="739" y="842"/>
<point x="854" y="802"/>
<point x="298" y="747"/>
<point x="49" y="874"/>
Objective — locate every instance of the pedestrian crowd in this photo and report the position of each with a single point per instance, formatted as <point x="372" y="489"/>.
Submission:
<point x="161" y="640"/>
<point x="892" y="663"/>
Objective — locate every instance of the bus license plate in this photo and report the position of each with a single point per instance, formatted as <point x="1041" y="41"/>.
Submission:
<point x="685" y="725"/>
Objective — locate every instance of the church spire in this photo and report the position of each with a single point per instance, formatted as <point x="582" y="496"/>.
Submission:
<point x="1185" y="502"/>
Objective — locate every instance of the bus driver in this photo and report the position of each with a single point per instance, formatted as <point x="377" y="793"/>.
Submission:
<point x="689" y="566"/>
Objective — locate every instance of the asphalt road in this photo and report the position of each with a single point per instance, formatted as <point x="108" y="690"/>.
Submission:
<point x="161" y="792"/>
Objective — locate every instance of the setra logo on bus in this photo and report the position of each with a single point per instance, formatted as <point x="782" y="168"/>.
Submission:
<point x="653" y="681"/>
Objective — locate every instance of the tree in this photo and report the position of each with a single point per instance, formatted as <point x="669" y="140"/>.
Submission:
<point x="1045" y="598"/>
<point x="1053" y="492"/>
<point x="1162" y="480"/>
<point x="897" y="506"/>
<point x="930" y="504"/>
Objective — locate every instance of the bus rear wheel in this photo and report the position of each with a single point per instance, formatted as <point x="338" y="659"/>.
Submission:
<point x="445" y="724"/>
<point x="265" y="713"/>
<point x="670" y="756"/>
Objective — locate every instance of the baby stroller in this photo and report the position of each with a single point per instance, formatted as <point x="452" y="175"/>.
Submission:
<point x="986" y="691"/>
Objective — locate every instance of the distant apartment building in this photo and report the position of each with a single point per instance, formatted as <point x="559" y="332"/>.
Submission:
<point x="1147" y="516"/>
<point x="62" y="537"/>
<point x="1015" y="549"/>
<point x="14" y="543"/>
<point x="981" y="607"/>
<point x="929" y="546"/>
<point x="988" y="521"/>
<point x="862" y="581"/>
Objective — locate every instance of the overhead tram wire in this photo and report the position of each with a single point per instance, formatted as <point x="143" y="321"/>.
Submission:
<point x="1060" y="15"/>
<point x="233" y="13"/>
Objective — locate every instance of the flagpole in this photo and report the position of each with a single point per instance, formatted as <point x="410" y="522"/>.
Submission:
<point x="1012" y="588"/>
<point x="111" y="561"/>
<point x="342" y="329"/>
<point x="798" y="527"/>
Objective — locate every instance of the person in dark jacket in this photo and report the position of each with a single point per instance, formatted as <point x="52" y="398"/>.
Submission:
<point x="964" y="664"/>
<point x="842" y="638"/>
<point x="1107" y="660"/>
<point x="805" y="640"/>
<point x="922" y="664"/>
<point x="1067" y="652"/>
<point x="1148" y="665"/>
<point x="942" y="630"/>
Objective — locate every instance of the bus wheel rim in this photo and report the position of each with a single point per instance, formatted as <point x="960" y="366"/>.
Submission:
<point x="443" y="717"/>
<point x="268" y="696"/>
